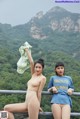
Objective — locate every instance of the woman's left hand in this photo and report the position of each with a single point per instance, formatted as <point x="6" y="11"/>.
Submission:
<point x="70" y="91"/>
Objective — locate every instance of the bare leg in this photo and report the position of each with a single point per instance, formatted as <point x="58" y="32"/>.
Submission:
<point x="18" y="107"/>
<point x="66" y="112"/>
<point x="33" y="108"/>
<point x="56" y="110"/>
<point x="10" y="115"/>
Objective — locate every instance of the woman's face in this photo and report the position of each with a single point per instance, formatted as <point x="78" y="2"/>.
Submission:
<point x="59" y="70"/>
<point x="38" y="68"/>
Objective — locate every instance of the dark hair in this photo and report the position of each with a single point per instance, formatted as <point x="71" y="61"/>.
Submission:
<point x="59" y="64"/>
<point x="40" y="61"/>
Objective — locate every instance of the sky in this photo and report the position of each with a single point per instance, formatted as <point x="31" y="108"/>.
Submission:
<point x="17" y="12"/>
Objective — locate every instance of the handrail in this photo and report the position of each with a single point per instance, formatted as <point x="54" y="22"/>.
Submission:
<point x="24" y="91"/>
<point x="43" y="92"/>
<point x="49" y="114"/>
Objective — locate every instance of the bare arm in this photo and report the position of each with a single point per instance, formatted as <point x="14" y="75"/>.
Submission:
<point x="30" y="60"/>
<point x="41" y="88"/>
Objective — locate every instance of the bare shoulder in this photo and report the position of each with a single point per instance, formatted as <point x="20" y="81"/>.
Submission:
<point x="43" y="78"/>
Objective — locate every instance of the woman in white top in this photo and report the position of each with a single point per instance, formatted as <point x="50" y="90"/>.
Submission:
<point x="34" y="88"/>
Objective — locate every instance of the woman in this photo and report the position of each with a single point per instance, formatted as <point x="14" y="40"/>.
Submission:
<point x="62" y="88"/>
<point x="34" y="88"/>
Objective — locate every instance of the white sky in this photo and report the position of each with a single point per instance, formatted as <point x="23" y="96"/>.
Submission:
<point x="16" y="12"/>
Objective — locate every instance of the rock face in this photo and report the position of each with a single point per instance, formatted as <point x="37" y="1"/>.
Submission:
<point x="55" y="19"/>
<point x="37" y="33"/>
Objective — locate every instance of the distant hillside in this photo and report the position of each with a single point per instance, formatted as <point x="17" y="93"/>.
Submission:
<point x="54" y="36"/>
<point x="56" y="30"/>
<point x="56" y="19"/>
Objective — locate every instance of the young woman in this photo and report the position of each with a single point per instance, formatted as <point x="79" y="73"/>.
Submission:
<point x="34" y="88"/>
<point x="62" y="88"/>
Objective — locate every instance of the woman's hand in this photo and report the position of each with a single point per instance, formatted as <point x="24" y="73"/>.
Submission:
<point x="40" y="109"/>
<point x="27" y="50"/>
<point x="70" y="91"/>
<point x="54" y="89"/>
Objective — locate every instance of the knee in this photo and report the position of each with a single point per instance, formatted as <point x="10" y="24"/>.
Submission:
<point x="6" y="108"/>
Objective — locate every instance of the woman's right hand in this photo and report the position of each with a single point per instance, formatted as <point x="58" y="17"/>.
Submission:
<point x="26" y="49"/>
<point x="54" y="89"/>
<point x="40" y="109"/>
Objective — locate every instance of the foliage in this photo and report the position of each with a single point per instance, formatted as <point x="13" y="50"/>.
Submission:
<point x="57" y="47"/>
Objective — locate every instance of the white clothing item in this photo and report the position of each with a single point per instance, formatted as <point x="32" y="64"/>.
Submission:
<point x="23" y="62"/>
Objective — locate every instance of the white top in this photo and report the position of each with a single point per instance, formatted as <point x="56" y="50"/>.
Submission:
<point x="23" y="62"/>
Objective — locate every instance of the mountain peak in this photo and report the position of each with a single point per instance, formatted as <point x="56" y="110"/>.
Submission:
<point x="57" y="9"/>
<point x="39" y="15"/>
